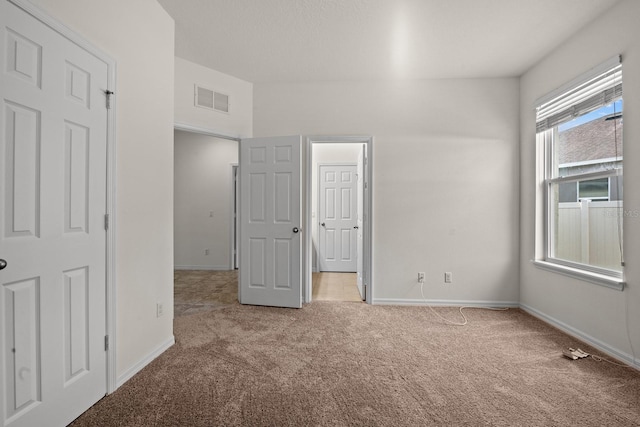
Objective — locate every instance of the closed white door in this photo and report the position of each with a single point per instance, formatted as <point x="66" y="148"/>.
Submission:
<point x="360" y="173"/>
<point x="53" y="129"/>
<point x="338" y="221"/>
<point x="270" y="222"/>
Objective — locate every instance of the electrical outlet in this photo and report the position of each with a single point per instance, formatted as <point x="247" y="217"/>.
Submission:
<point x="159" y="309"/>
<point x="206" y="251"/>
<point x="421" y="277"/>
<point x="448" y="277"/>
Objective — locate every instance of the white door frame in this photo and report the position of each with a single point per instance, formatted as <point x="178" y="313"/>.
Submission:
<point x="368" y="212"/>
<point x="235" y="215"/>
<point x="57" y="26"/>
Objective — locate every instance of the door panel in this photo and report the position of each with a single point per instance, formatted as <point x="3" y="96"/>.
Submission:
<point x="22" y="143"/>
<point x="337" y="207"/>
<point x="270" y="219"/>
<point x="53" y="133"/>
<point x="21" y="317"/>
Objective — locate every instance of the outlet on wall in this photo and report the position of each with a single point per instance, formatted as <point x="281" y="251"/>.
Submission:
<point x="421" y="277"/>
<point x="448" y="277"/>
<point x="206" y="251"/>
<point x="159" y="309"/>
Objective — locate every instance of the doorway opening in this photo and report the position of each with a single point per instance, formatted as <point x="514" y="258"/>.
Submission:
<point x="204" y="201"/>
<point x="364" y="147"/>
<point x="204" y="220"/>
<point x="338" y="213"/>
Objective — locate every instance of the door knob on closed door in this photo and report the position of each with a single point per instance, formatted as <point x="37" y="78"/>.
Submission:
<point x="322" y="224"/>
<point x="356" y="227"/>
<point x="296" y="229"/>
<point x="3" y="264"/>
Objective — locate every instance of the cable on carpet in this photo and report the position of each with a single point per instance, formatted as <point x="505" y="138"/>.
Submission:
<point x="576" y="353"/>
<point x="460" y="309"/>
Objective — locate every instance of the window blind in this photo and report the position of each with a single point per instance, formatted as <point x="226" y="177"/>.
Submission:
<point x="600" y="87"/>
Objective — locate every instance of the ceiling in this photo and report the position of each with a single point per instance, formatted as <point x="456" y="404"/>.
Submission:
<point x="317" y="40"/>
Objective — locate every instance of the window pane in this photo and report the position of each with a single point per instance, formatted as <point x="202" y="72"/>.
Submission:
<point x="589" y="143"/>
<point x="568" y="192"/>
<point x="585" y="232"/>
<point x="594" y="189"/>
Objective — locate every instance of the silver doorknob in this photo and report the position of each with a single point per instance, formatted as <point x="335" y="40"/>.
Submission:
<point x="3" y="264"/>
<point x="296" y="229"/>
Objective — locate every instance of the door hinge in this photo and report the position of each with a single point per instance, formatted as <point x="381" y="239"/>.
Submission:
<point x="106" y="222"/>
<point x="108" y="94"/>
<point x="106" y="342"/>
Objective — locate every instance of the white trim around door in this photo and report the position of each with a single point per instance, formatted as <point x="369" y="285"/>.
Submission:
<point x="368" y="212"/>
<point x="235" y="216"/>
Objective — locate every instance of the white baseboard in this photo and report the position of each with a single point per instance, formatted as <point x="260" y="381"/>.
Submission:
<point x="444" y="303"/>
<point x="202" y="267"/>
<point x="126" y="376"/>
<point x="574" y="332"/>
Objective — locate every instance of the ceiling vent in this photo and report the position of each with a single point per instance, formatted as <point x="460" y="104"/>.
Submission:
<point x="212" y="100"/>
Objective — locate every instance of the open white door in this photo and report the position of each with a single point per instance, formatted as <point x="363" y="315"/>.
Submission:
<point x="270" y="222"/>
<point x="360" y="172"/>
<point x="53" y="145"/>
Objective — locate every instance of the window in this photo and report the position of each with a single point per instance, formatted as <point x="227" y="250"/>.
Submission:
<point x="579" y="129"/>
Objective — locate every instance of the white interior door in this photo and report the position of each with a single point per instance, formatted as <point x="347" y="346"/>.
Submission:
<point x="360" y="221"/>
<point x="270" y="222"/>
<point x="338" y="222"/>
<point x="53" y="129"/>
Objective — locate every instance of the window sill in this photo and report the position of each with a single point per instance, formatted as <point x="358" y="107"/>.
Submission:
<point x="598" y="279"/>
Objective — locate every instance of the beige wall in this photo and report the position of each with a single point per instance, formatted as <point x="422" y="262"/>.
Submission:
<point x="139" y="36"/>
<point x="239" y="121"/>
<point x="445" y="176"/>
<point x="203" y="201"/>
<point x="596" y="313"/>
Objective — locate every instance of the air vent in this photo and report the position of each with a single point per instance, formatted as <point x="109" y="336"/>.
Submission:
<point x="208" y="98"/>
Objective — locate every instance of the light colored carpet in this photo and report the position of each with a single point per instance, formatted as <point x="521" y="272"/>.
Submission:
<point x="343" y="364"/>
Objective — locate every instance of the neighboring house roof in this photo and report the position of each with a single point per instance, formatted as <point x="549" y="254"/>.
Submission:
<point x="590" y="141"/>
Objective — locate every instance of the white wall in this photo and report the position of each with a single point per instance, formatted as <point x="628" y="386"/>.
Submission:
<point x="445" y="176"/>
<point x="202" y="186"/>
<point x="596" y="313"/>
<point x="238" y="123"/>
<point x="139" y="36"/>
<point x="324" y="153"/>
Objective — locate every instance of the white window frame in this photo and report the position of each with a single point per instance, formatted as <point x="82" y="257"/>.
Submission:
<point x="547" y="178"/>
